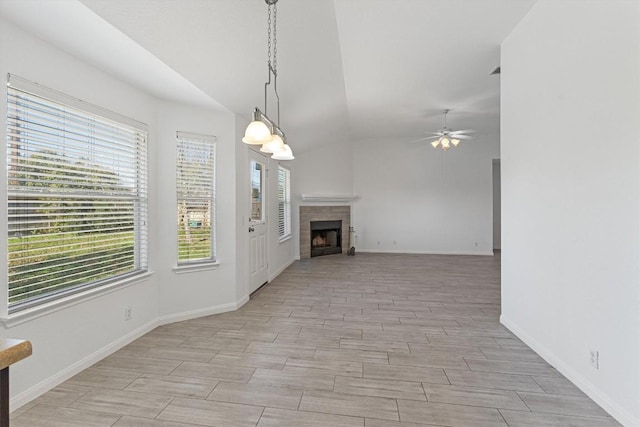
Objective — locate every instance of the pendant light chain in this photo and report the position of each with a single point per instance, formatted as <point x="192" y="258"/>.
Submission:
<point x="269" y="36"/>
<point x="272" y="33"/>
<point x="272" y="48"/>
<point x="275" y="39"/>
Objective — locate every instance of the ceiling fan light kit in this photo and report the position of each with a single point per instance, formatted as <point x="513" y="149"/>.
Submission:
<point x="445" y="137"/>
<point x="262" y="130"/>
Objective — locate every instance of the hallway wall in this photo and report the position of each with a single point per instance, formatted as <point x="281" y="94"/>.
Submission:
<point x="571" y="194"/>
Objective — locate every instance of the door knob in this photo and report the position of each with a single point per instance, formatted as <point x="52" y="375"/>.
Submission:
<point x="251" y="228"/>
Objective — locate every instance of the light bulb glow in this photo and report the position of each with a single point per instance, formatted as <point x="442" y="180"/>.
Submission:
<point x="276" y="145"/>
<point x="455" y="142"/>
<point x="445" y="143"/>
<point x="257" y="133"/>
<point x="285" y="154"/>
<point x="435" y="143"/>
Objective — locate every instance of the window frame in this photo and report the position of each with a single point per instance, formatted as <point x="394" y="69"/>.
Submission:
<point x="197" y="264"/>
<point x="24" y="101"/>
<point x="284" y="200"/>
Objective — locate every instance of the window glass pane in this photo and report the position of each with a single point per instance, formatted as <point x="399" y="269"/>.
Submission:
<point x="76" y="198"/>
<point x="284" y="203"/>
<point x="195" y="186"/>
<point x="194" y="230"/>
<point x="257" y="176"/>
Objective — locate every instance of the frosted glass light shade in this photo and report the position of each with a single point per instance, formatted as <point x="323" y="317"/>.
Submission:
<point x="276" y="145"/>
<point x="455" y="142"/>
<point x="257" y="133"/>
<point x="435" y="143"/>
<point x="284" y="154"/>
<point x="445" y="143"/>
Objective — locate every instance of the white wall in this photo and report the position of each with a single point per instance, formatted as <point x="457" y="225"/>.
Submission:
<point x="62" y="339"/>
<point x="281" y="254"/>
<point x="497" y="221"/>
<point x="425" y="200"/>
<point x="413" y="198"/>
<point x="571" y="193"/>
<point x="325" y="170"/>
<point x="80" y="333"/>
<point x="242" y="209"/>
<point x="196" y="292"/>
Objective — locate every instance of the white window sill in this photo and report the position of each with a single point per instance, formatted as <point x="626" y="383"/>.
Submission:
<point x="201" y="266"/>
<point x="28" y="314"/>
<point x="285" y="238"/>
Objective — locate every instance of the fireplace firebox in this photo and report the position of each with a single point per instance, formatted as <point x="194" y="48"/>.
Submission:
<point x="326" y="237"/>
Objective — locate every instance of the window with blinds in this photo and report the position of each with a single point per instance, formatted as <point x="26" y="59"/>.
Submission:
<point x="195" y="189"/>
<point x="284" y="203"/>
<point x="77" y="195"/>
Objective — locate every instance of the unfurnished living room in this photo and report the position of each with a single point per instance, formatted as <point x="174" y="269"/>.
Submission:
<point x="372" y="213"/>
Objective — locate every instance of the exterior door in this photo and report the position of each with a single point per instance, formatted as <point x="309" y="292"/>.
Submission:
<point x="258" y="254"/>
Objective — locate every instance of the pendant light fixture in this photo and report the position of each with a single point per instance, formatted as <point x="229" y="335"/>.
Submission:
<point x="262" y="130"/>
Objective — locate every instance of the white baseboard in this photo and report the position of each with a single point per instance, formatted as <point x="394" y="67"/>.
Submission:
<point x="242" y="301"/>
<point x="281" y="269"/>
<point x="42" y="387"/>
<point x="79" y="366"/>
<point x="379" y="251"/>
<point x="201" y="312"/>
<point x="620" y="414"/>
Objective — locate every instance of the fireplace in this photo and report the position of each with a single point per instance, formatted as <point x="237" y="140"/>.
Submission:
<point x="326" y="237"/>
<point x="324" y="214"/>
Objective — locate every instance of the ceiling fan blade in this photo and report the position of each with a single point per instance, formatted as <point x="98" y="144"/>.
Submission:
<point x="462" y="131"/>
<point x="417" y="140"/>
<point x="423" y="139"/>
<point x="461" y="136"/>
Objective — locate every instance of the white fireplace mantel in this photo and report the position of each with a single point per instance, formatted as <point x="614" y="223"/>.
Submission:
<point x="328" y="198"/>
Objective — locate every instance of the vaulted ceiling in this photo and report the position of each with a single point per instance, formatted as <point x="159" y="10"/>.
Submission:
<point x="347" y="68"/>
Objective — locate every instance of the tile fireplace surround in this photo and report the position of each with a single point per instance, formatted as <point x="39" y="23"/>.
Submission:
<point x="322" y="213"/>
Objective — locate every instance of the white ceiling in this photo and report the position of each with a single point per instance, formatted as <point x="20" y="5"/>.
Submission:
<point x="370" y="68"/>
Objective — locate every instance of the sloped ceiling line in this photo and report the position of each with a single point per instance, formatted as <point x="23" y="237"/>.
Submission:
<point x="348" y="69"/>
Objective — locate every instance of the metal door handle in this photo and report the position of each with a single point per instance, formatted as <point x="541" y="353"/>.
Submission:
<point x="251" y="228"/>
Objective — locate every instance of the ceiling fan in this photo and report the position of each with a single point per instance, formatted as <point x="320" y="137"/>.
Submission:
<point x="446" y="137"/>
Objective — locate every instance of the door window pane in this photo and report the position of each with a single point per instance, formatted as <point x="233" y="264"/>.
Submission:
<point x="257" y="178"/>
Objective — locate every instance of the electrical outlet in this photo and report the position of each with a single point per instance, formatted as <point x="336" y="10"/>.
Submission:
<point x="127" y="313"/>
<point x="595" y="358"/>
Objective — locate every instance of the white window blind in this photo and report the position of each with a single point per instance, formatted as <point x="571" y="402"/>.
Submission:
<point x="284" y="203"/>
<point x="77" y="195"/>
<point x="195" y="188"/>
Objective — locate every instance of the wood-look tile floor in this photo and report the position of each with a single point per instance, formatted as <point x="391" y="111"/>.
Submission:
<point x="371" y="341"/>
